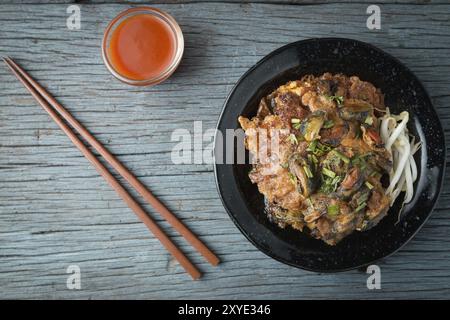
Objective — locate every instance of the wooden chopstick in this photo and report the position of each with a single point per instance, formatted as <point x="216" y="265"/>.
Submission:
<point x="103" y="171"/>
<point x="121" y="169"/>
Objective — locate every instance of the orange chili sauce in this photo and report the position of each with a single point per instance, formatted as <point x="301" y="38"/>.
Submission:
<point x="141" y="47"/>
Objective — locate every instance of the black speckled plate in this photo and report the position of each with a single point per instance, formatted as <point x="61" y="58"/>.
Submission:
<point x="403" y="91"/>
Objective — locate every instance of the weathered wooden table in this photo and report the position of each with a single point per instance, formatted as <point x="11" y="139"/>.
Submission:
<point x="56" y="211"/>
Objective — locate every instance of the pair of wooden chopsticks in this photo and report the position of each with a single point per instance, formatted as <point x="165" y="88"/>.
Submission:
<point x="50" y="105"/>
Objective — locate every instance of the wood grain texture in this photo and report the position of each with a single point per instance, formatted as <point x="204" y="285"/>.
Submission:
<point x="56" y="211"/>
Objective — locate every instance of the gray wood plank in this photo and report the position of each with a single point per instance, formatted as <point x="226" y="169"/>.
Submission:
<point x="56" y="211"/>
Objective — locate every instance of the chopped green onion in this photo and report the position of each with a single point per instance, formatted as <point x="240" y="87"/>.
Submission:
<point x="333" y="210"/>
<point x="330" y="184"/>
<point x="293" y="138"/>
<point x="318" y="148"/>
<point x="363" y="198"/>
<point x="360" y="161"/>
<point x="369" y="120"/>
<point x="323" y="147"/>
<point x="314" y="159"/>
<point x="296" y="125"/>
<point x="374" y="173"/>
<point x="312" y="146"/>
<point x="361" y="206"/>
<point x="318" y="153"/>
<point x="336" y="180"/>
<point x="369" y="185"/>
<point x="338" y="99"/>
<point x="328" y="124"/>
<point x="308" y="172"/>
<point x="293" y="178"/>
<point x="295" y="120"/>
<point x="328" y="172"/>
<point x="284" y="165"/>
<point x="342" y="156"/>
<point x="311" y="160"/>
<point x="310" y="202"/>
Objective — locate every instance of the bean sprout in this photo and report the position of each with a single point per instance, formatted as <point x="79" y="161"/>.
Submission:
<point x="402" y="147"/>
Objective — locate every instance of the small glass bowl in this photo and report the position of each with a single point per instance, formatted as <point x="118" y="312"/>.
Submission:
<point x="179" y="45"/>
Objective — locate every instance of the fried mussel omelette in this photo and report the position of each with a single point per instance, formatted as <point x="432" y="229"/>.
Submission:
<point x="326" y="173"/>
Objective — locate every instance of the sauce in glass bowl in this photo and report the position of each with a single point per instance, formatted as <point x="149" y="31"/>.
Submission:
<point x="142" y="46"/>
